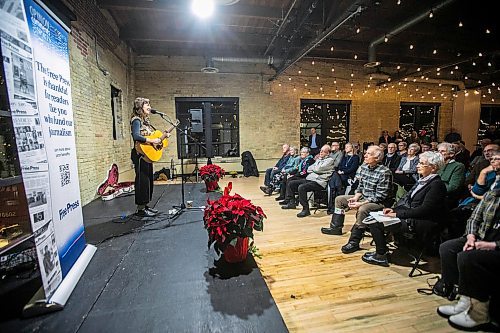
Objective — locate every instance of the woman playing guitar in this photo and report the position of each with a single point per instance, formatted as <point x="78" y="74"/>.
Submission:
<point x="141" y="128"/>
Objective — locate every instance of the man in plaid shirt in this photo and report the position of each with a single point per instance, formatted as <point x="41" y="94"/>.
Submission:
<point x="373" y="194"/>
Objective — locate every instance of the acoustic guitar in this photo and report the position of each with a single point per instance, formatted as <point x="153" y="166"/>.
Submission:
<point x="153" y="152"/>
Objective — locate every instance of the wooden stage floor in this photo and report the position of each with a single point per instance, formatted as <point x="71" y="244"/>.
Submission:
<point x="319" y="289"/>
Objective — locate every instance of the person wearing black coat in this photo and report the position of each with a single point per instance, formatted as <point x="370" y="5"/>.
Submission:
<point x="392" y="159"/>
<point x="420" y="210"/>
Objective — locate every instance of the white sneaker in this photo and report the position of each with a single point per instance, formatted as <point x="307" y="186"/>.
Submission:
<point x="475" y="316"/>
<point x="455" y="308"/>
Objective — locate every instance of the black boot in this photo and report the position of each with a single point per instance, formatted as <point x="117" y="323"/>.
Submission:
<point x="353" y="243"/>
<point x="292" y="204"/>
<point x="336" y="225"/>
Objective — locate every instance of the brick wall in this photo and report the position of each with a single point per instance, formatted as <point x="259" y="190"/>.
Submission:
<point x="91" y="96"/>
<point x="270" y="112"/>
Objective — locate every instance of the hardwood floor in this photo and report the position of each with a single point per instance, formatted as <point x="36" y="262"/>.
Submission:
<point x="319" y="289"/>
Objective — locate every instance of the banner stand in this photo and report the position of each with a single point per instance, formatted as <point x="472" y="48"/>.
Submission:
<point x="39" y="305"/>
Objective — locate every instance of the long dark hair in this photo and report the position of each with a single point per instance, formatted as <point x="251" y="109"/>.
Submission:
<point x="138" y="104"/>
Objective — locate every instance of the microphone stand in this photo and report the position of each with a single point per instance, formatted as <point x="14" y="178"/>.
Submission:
<point x="179" y="209"/>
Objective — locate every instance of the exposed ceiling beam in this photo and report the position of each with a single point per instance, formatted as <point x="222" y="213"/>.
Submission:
<point x="182" y="7"/>
<point x="219" y="36"/>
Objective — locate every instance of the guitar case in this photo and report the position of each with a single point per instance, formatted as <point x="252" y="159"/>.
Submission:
<point x="111" y="188"/>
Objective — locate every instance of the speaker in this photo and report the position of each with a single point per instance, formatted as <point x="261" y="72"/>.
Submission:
<point x="196" y="120"/>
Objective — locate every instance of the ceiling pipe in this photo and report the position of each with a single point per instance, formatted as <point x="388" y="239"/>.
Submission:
<point x="354" y="10"/>
<point x="266" y="60"/>
<point x="372" y="58"/>
<point x="282" y="25"/>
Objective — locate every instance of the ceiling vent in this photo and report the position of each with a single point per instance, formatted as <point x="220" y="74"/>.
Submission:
<point x="210" y="68"/>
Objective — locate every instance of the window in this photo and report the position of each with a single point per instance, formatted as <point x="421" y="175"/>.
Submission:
<point x="331" y="119"/>
<point x="418" y="117"/>
<point x="209" y="127"/>
<point x="489" y="119"/>
<point x="116" y="106"/>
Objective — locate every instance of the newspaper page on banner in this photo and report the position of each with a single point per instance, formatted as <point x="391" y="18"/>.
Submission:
<point x="19" y="67"/>
<point x="50" y="268"/>
<point x="49" y="41"/>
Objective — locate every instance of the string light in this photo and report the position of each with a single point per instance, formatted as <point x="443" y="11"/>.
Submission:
<point x="312" y="62"/>
<point x="398" y="67"/>
<point x="434" y="51"/>
<point x="411" y="46"/>
<point x="331" y="48"/>
<point x="358" y="30"/>
<point x="333" y="69"/>
<point x="488" y="31"/>
<point x="399" y="2"/>
<point x="300" y="72"/>
<point x="460" y="24"/>
<point x="431" y="14"/>
<point x="480" y="54"/>
<point x="279" y="84"/>
<point x="355" y="56"/>
<point x="386" y="39"/>
<point x="419" y="69"/>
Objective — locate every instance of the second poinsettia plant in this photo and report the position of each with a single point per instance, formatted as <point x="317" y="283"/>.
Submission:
<point x="230" y="217"/>
<point x="211" y="172"/>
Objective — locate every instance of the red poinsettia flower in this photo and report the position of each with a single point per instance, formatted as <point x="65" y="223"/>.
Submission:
<point x="211" y="172"/>
<point x="229" y="217"/>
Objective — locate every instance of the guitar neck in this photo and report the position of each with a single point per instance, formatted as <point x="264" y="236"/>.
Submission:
<point x="164" y="135"/>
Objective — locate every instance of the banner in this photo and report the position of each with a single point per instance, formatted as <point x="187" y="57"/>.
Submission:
<point x="37" y="72"/>
<point x="49" y="41"/>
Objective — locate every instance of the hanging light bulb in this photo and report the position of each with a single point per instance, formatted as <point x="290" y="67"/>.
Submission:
<point x="473" y="63"/>
<point x="431" y="14"/>
<point x="386" y="39"/>
<point x="358" y="30"/>
<point x="398" y="67"/>
<point x="451" y="72"/>
<point x="305" y="84"/>
<point x="419" y="69"/>
<point x="331" y="48"/>
<point x="355" y="56"/>
<point x="300" y="72"/>
<point x="352" y="74"/>
<point x="279" y="84"/>
<point x="434" y="51"/>
<point x="456" y="67"/>
<point x="489" y="64"/>
<point x="488" y="31"/>
<point x="398" y="3"/>
<point x="411" y="46"/>
<point x="460" y="24"/>
<point x="312" y="62"/>
<point x="289" y="79"/>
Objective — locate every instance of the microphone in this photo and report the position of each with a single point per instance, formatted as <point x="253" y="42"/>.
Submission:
<point x="153" y="111"/>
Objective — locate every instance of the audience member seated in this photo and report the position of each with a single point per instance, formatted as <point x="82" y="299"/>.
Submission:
<point x="478" y="153"/>
<point x="383" y="146"/>
<point x="480" y="163"/>
<point x="402" y="149"/>
<point x="434" y="146"/>
<point x="413" y="138"/>
<point x="290" y="165"/>
<point x="391" y="159"/>
<point x="462" y="155"/>
<point x="317" y="178"/>
<point x="425" y="146"/>
<point x="385" y="138"/>
<point x="452" y="174"/>
<point x="270" y="172"/>
<point x="420" y="210"/>
<point x="397" y="138"/>
<point x="459" y="216"/>
<point x="305" y="160"/>
<point x="315" y="142"/>
<point x="345" y="171"/>
<point x="336" y="154"/>
<point x="473" y="263"/>
<point x="374" y="192"/>
<point x="406" y="173"/>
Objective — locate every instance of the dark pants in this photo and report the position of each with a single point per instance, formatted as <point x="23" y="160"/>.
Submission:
<point x="476" y="271"/>
<point x="292" y="187"/>
<point x="284" y="183"/>
<point x="143" y="179"/>
<point x="269" y="175"/>
<point x="308" y="186"/>
<point x="336" y="186"/>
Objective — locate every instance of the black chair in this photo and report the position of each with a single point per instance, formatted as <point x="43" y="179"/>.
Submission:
<point x="320" y="199"/>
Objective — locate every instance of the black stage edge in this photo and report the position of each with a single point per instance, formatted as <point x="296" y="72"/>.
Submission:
<point x="159" y="276"/>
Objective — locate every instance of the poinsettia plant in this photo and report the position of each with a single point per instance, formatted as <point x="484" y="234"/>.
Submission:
<point x="211" y="172"/>
<point x="230" y="217"/>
